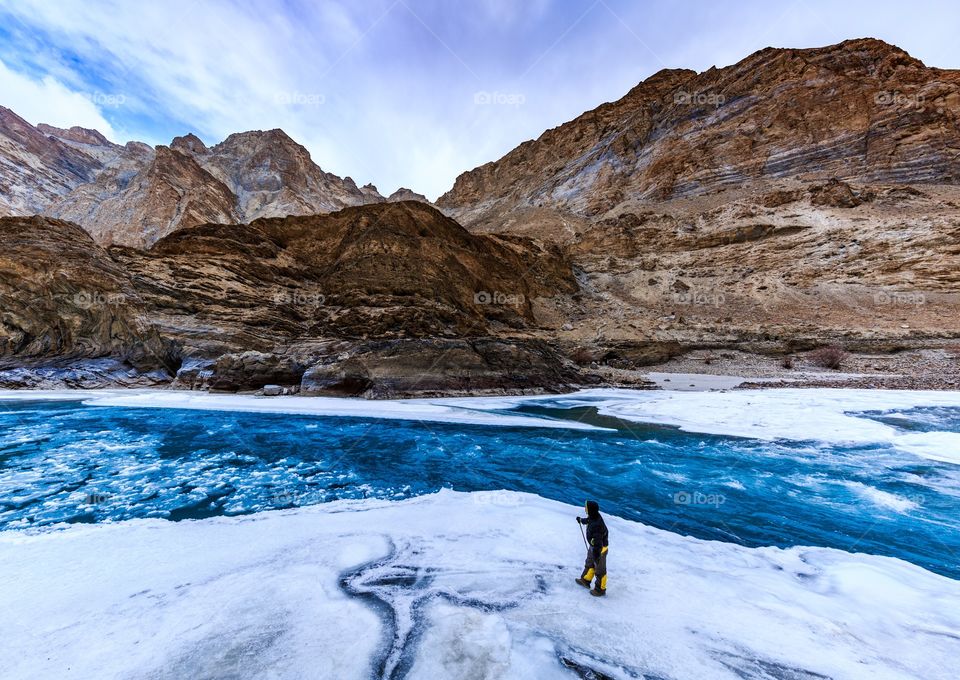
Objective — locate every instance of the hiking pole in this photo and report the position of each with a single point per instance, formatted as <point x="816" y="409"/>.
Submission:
<point x="582" y="535"/>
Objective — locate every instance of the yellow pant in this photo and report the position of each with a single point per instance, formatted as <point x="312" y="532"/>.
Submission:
<point x="596" y="568"/>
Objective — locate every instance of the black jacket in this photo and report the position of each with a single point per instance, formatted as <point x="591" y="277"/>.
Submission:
<point x="596" y="533"/>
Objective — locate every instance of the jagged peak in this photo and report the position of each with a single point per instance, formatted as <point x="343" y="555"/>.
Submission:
<point x="189" y="143"/>
<point x="274" y="136"/>
<point x="405" y="194"/>
<point x="80" y="135"/>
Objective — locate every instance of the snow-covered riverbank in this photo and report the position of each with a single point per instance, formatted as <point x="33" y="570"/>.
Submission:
<point x="455" y="585"/>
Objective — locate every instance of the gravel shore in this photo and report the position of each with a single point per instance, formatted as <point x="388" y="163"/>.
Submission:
<point x="925" y="369"/>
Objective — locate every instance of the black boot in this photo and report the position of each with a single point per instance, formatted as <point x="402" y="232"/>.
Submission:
<point x="582" y="581"/>
<point x="599" y="592"/>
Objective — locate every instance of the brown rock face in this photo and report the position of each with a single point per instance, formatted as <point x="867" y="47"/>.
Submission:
<point x="387" y="270"/>
<point x="860" y="111"/>
<point x="249" y="305"/>
<point x="64" y="298"/>
<point x="395" y="368"/>
<point x="797" y="198"/>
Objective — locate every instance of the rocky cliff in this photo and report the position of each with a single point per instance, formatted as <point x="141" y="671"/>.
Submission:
<point x="861" y="111"/>
<point x="65" y="299"/>
<point x="357" y="301"/>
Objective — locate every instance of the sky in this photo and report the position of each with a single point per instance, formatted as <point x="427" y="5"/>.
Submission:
<point x="397" y="92"/>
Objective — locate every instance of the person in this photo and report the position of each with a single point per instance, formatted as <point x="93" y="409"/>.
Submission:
<point x="595" y="566"/>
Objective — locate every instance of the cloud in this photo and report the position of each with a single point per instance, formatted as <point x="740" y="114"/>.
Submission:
<point x="49" y="101"/>
<point x="385" y="90"/>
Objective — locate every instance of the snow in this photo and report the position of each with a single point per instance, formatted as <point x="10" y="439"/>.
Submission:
<point x="824" y="414"/>
<point x="455" y="585"/>
<point x="397" y="409"/>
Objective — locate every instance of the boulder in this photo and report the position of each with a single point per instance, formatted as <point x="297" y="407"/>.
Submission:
<point x="253" y="370"/>
<point x="423" y="367"/>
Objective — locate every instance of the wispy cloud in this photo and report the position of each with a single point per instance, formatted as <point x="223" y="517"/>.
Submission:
<point x="47" y="100"/>
<point x="398" y="92"/>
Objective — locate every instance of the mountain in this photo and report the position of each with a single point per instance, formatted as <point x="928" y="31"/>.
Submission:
<point x="861" y="111"/>
<point x="143" y="196"/>
<point x="795" y="199"/>
<point x="382" y="299"/>
<point x="135" y="194"/>
<point x="273" y="176"/>
<point x="36" y="168"/>
<point x="404" y="194"/>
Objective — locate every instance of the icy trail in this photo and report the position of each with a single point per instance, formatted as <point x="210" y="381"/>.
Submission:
<point x="455" y="585"/>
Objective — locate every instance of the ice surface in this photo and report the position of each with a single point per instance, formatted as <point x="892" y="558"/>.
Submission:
<point x="455" y="585"/>
<point x="828" y="415"/>
<point x="402" y="409"/>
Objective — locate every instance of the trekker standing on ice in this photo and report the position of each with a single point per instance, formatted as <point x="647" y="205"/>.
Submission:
<point x="596" y="564"/>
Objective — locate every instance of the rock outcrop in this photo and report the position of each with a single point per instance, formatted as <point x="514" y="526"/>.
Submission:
<point x="396" y="368"/>
<point x="66" y="300"/>
<point x="230" y="307"/>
